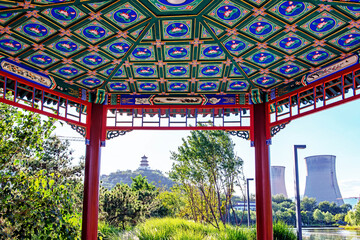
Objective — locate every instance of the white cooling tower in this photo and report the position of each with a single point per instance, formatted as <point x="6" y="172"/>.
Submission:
<point x="321" y="181"/>
<point x="278" y="180"/>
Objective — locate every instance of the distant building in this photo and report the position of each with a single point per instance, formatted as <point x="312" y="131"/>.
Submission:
<point x="144" y="163"/>
<point x="278" y="181"/>
<point x="241" y="206"/>
<point x="321" y="181"/>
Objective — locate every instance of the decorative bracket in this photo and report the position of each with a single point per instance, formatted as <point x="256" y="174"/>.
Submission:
<point x="242" y="134"/>
<point x="115" y="133"/>
<point x="277" y="128"/>
<point x="80" y="130"/>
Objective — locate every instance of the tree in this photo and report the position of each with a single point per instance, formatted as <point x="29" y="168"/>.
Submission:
<point x="325" y="206"/>
<point x="121" y="206"/>
<point x="147" y="194"/>
<point x="208" y="169"/>
<point x="127" y="206"/>
<point x="328" y="217"/>
<point x="35" y="203"/>
<point x="353" y="216"/>
<point x="171" y="203"/>
<point x="308" y="204"/>
<point x="345" y="208"/>
<point x="319" y="215"/>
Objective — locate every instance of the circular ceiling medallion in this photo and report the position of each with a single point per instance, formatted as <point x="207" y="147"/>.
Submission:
<point x="260" y="28"/>
<point x="118" y="86"/>
<point x="64" y="13"/>
<point x="317" y="56"/>
<point x="119" y="47"/>
<point x="208" y="86"/>
<point x="289" y="69"/>
<point x="235" y="45"/>
<point x="177" y="86"/>
<point x="35" y="30"/>
<point x="91" y="82"/>
<point x="177" y="29"/>
<point x="68" y="71"/>
<point x="92" y="60"/>
<point x="176" y="2"/>
<point x="10" y="45"/>
<point x="238" y="85"/>
<point x="349" y="40"/>
<point x="177" y="52"/>
<point x="290" y="43"/>
<point x="148" y="86"/>
<point x="290" y="8"/>
<point x="41" y="59"/>
<point x="145" y="71"/>
<point x="177" y="71"/>
<point x="66" y="46"/>
<point x="228" y="12"/>
<point x="263" y="58"/>
<point x="94" y="32"/>
<point x="213" y="51"/>
<point x="109" y="71"/>
<point x="141" y="53"/>
<point x="322" y="24"/>
<point x="210" y="70"/>
<point x="125" y="15"/>
<point x="265" y="81"/>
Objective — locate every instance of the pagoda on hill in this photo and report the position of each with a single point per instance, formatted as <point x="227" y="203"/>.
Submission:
<point x="144" y="163"/>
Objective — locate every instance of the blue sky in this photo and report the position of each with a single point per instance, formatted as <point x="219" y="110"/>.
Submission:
<point x="335" y="131"/>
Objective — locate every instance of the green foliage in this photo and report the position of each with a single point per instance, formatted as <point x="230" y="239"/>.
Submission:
<point x="125" y="206"/>
<point x="318" y="215"/>
<point x="21" y="133"/>
<point x="208" y="170"/>
<point x="284" y="209"/>
<point x="308" y="204"/>
<point x="171" y="203"/>
<point x="122" y="206"/>
<point x="328" y="217"/>
<point x="37" y="201"/>
<point x="283" y="232"/>
<point x="353" y="217"/>
<point x="311" y="214"/>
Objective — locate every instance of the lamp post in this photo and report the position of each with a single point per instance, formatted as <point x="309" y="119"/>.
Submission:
<point x="297" y="195"/>
<point x="248" y="200"/>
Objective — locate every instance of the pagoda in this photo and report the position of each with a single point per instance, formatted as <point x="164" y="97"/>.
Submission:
<point x="144" y="163"/>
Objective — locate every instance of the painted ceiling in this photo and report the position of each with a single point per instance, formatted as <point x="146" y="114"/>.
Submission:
<point x="177" y="47"/>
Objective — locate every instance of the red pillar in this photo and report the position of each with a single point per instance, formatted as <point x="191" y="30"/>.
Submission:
<point x="92" y="174"/>
<point x="262" y="174"/>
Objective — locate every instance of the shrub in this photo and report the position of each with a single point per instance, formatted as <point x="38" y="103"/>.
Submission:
<point x="283" y="232"/>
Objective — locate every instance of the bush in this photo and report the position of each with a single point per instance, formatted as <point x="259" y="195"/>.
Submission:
<point x="283" y="232"/>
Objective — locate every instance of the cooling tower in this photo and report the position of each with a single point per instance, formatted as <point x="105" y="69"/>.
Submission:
<point x="278" y="180"/>
<point x="321" y="181"/>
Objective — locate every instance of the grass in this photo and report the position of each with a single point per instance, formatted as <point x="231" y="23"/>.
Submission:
<point x="181" y="229"/>
<point x="347" y="227"/>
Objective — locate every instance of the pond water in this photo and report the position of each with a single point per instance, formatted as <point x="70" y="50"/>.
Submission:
<point x="329" y="234"/>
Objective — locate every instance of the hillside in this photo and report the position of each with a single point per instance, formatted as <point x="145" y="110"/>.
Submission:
<point x="154" y="176"/>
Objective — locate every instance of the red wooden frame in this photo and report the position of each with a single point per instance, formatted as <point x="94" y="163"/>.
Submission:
<point x="327" y="93"/>
<point x="158" y="110"/>
<point x="64" y="108"/>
